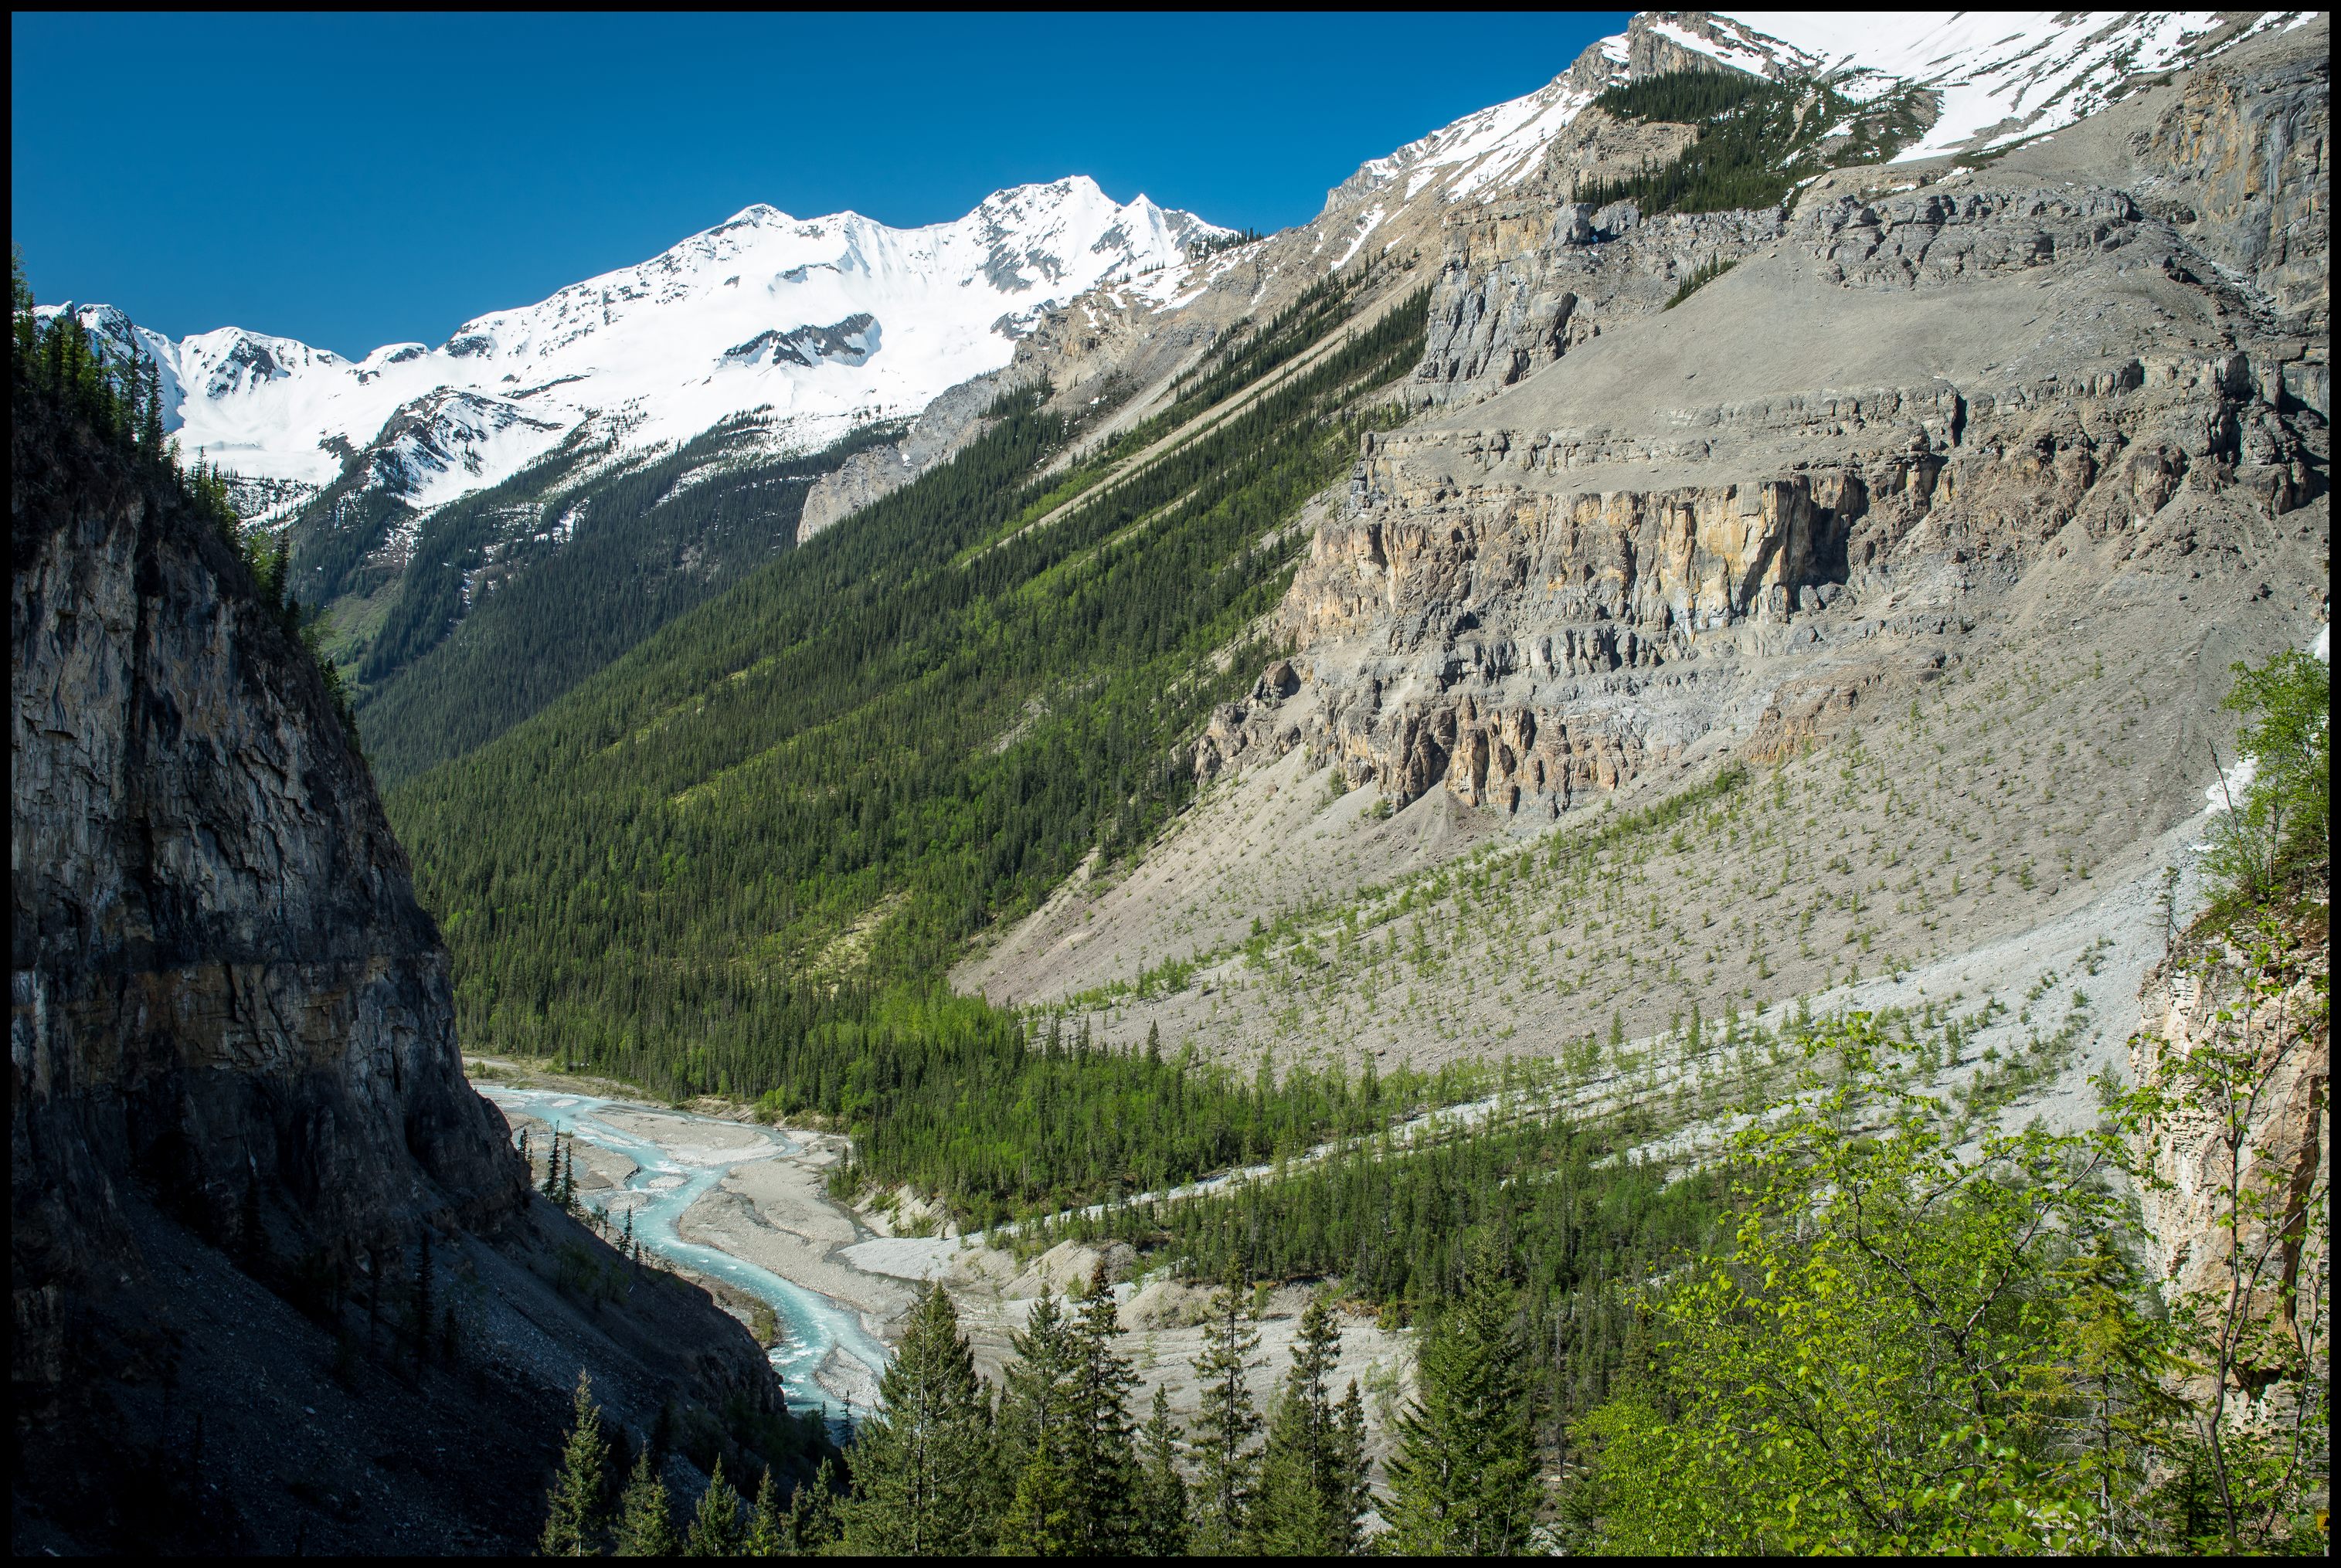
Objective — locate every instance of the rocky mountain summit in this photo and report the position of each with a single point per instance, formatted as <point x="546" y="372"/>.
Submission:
<point x="242" y="1149"/>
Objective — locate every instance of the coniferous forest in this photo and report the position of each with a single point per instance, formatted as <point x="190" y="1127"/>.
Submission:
<point x="593" y="588"/>
<point x="1757" y="141"/>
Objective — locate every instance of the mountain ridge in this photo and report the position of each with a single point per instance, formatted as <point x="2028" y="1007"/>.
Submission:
<point x="947" y="300"/>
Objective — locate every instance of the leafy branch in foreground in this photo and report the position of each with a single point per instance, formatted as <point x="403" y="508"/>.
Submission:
<point x="1917" y="1344"/>
<point x="2279" y="816"/>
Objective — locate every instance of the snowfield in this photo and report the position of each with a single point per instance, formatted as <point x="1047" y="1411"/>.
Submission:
<point x="826" y="323"/>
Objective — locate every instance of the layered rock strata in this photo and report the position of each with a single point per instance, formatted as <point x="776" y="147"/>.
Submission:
<point x="1624" y="536"/>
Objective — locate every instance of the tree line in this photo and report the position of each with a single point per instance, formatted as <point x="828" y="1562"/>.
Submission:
<point x="1055" y="1462"/>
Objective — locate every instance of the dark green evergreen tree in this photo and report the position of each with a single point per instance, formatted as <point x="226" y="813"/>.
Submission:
<point x="715" y="1529"/>
<point x="923" y="1465"/>
<point x="1038" y="1417"/>
<point x="573" y="1518"/>
<point x="1308" y="1495"/>
<point x="1042" y="1518"/>
<point x="1351" y="1495"/>
<point x="814" y="1524"/>
<point x="1464" y="1480"/>
<point x="768" y="1532"/>
<point x="1226" y="1458"/>
<point x="1039" y="1402"/>
<point x="1161" y="1490"/>
<point x="1103" y="1468"/>
<point x="645" y="1524"/>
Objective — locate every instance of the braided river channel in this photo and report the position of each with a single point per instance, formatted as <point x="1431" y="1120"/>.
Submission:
<point x="829" y="1356"/>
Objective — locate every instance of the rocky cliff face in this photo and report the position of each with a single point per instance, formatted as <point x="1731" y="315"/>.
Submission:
<point x="947" y="424"/>
<point x="2244" y="1159"/>
<point x="1633" y="527"/>
<point x="220" y="974"/>
<point x="237" y="1107"/>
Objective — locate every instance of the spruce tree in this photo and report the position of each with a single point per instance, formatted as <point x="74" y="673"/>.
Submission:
<point x="573" y="1519"/>
<point x="812" y="1513"/>
<point x="715" y="1529"/>
<point x="150" y="433"/>
<point x="1464" y="1481"/>
<point x="1225" y="1459"/>
<point x="1306" y="1505"/>
<point x="1040" y="1397"/>
<point x="645" y="1528"/>
<point x="768" y="1532"/>
<point x="1042" y="1517"/>
<point x="923" y="1466"/>
<point x="1104" y="1461"/>
<point x="1161" y="1490"/>
<point x="1352" y="1492"/>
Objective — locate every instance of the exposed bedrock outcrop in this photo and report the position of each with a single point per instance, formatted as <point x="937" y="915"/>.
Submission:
<point x="1526" y="280"/>
<point x="240" y="1128"/>
<point x="947" y="424"/>
<point x="220" y="975"/>
<point x="2244" y="167"/>
<point x="2243" y="1186"/>
<point x="1634" y="528"/>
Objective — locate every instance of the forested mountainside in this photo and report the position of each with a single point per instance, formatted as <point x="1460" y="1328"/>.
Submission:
<point x="279" y="1281"/>
<point x="486" y="522"/>
<point x="1866" y="482"/>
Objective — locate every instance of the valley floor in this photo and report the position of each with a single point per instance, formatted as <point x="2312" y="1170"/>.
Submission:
<point x="771" y="1211"/>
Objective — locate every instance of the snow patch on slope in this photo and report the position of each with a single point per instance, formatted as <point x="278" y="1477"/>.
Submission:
<point x="2001" y="74"/>
<point x="1498" y="145"/>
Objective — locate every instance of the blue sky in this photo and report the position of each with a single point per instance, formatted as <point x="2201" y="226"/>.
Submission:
<point x="352" y="180"/>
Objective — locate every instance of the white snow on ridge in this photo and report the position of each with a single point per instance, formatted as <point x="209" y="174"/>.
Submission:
<point x="1366" y="226"/>
<point x="1740" y="52"/>
<point x="827" y="322"/>
<point x="2002" y="75"/>
<point x="1494" y="145"/>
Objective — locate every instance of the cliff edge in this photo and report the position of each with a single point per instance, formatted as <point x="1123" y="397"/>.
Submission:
<point x="279" y="1281"/>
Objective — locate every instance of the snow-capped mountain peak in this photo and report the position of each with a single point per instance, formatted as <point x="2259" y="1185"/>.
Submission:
<point x="824" y="321"/>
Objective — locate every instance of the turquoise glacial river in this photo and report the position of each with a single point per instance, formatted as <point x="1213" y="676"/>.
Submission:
<point x="814" y="1326"/>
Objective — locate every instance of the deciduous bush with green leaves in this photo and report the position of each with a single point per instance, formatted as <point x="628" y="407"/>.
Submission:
<point x="1911" y="1347"/>
<point x="2279" y="821"/>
